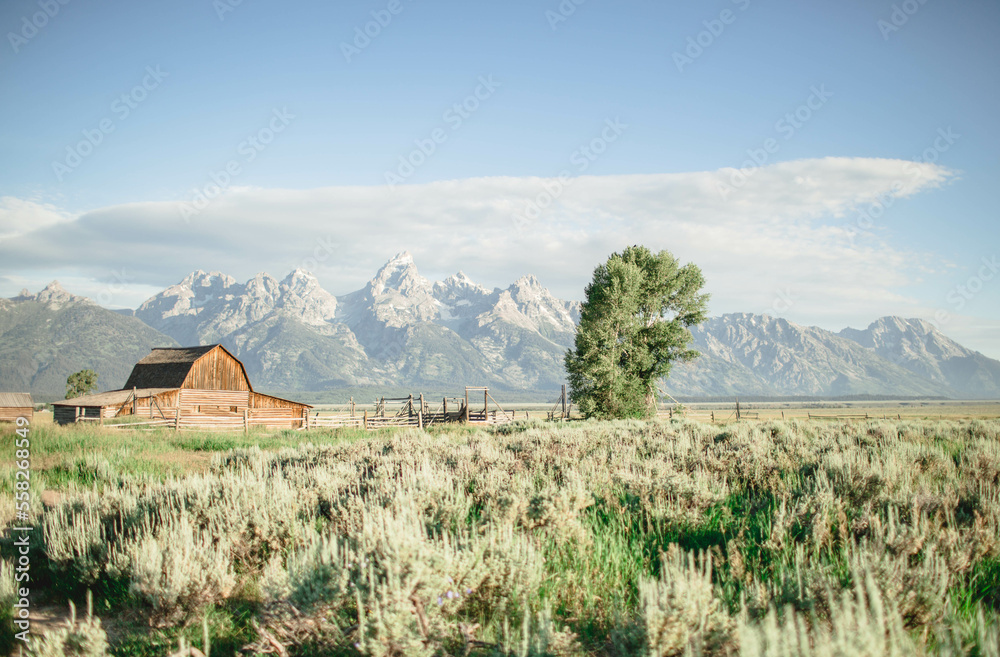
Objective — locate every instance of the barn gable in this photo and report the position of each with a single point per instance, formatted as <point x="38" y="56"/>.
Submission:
<point x="211" y="367"/>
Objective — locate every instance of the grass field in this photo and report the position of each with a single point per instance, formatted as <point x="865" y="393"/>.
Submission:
<point x="795" y="537"/>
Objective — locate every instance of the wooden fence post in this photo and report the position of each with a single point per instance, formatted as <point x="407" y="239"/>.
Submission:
<point x="246" y="420"/>
<point x="135" y="402"/>
<point x="420" y="419"/>
<point x="422" y="409"/>
<point x="352" y="406"/>
<point x="366" y="420"/>
<point x="305" y="419"/>
<point x="177" y="419"/>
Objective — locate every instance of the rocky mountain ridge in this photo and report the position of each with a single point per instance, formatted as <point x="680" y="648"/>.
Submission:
<point x="402" y="329"/>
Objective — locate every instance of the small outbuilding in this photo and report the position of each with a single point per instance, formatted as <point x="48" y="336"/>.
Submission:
<point x="202" y="382"/>
<point x="14" y="405"/>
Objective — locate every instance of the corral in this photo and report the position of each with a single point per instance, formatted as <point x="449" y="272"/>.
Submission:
<point x="416" y="411"/>
<point x="195" y="386"/>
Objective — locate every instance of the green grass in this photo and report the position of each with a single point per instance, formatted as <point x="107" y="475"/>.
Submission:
<point x="87" y="455"/>
<point x="789" y="513"/>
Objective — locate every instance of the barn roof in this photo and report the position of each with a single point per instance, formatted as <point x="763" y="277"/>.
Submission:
<point x="15" y="400"/>
<point x="110" y="398"/>
<point x="290" y="401"/>
<point x="168" y="367"/>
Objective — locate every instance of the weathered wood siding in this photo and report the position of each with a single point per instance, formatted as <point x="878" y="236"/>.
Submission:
<point x="144" y="406"/>
<point x="68" y="414"/>
<point x="63" y="414"/>
<point x="217" y="370"/>
<point x="260" y="400"/>
<point x="11" y="413"/>
<point x="214" y="401"/>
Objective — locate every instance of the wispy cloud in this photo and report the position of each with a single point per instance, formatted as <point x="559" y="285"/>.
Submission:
<point x="785" y="232"/>
<point x="21" y="216"/>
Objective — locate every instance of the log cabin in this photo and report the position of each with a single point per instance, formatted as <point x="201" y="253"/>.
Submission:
<point x="206" y="381"/>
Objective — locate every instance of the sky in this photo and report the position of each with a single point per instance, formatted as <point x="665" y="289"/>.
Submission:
<point x="825" y="162"/>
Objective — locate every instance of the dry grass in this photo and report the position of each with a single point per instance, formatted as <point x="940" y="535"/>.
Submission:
<point x="615" y="538"/>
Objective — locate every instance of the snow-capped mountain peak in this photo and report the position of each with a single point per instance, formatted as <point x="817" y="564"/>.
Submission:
<point x="400" y="329"/>
<point x="461" y="281"/>
<point x="399" y="275"/>
<point x="301" y="296"/>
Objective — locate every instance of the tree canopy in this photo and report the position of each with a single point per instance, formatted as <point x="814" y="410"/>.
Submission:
<point x="633" y="327"/>
<point x="80" y="383"/>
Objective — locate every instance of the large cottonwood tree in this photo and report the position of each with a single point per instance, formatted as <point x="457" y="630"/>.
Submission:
<point x="633" y="327"/>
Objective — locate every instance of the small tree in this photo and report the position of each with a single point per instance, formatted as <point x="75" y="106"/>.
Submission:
<point x="79" y="384"/>
<point x="633" y="326"/>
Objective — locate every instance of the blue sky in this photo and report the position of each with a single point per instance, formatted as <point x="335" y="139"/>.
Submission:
<point x="835" y="227"/>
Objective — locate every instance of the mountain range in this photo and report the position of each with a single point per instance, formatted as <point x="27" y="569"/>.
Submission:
<point x="403" y="330"/>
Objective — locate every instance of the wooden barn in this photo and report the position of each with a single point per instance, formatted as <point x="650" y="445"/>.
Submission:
<point x="14" y="405"/>
<point x="191" y="382"/>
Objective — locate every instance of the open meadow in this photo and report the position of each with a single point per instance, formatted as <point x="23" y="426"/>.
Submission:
<point x="669" y="537"/>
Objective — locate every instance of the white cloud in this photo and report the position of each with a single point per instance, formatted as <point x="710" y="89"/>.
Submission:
<point x="781" y="234"/>
<point x="19" y="217"/>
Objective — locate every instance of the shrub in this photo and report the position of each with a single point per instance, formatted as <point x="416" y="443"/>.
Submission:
<point x="78" y="639"/>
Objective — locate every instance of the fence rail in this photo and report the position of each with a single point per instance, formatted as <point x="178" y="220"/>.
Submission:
<point x="178" y="421"/>
<point x="409" y="411"/>
<point x="813" y="416"/>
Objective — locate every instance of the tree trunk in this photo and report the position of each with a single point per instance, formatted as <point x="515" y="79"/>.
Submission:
<point x="650" y="403"/>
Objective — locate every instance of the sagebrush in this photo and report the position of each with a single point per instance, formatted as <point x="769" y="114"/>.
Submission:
<point x="609" y="538"/>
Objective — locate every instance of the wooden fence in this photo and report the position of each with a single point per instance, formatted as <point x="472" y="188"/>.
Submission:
<point x="410" y="411"/>
<point x="271" y="418"/>
<point x="866" y="416"/>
